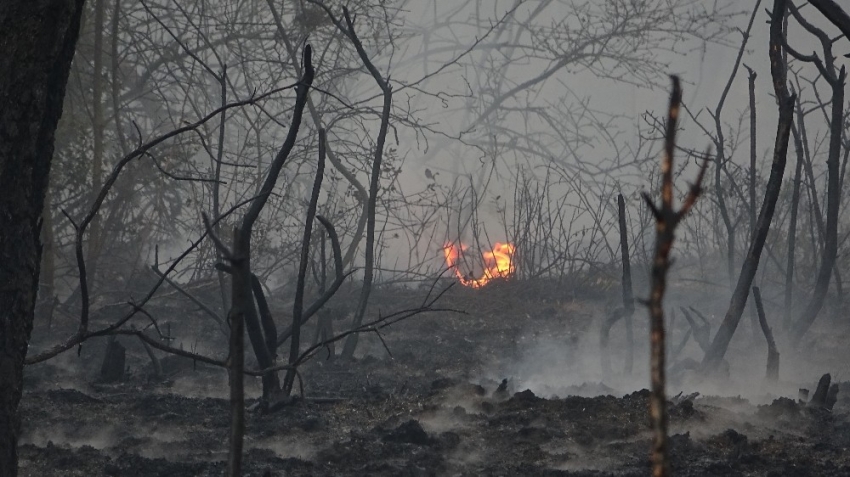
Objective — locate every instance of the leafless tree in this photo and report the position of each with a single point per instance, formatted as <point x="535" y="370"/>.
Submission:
<point x="778" y="69"/>
<point x="666" y="220"/>
<point x="835" y="78"/>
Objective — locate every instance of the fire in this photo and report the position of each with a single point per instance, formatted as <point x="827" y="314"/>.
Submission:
<point x="498" y="263"/>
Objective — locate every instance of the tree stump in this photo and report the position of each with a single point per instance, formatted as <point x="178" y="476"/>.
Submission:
<point x="112" y="368"/>
<point x="825" y="395"/>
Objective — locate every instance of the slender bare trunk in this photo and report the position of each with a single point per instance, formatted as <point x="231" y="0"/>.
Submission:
<point x="216" y="186"/>
<point x="241" y="294"/>
<point x="298" y="305"/>
<point x="772" y="373"/>
<point x="628" y="296"/>
<point x="374" y="182"/>
<point x="95" y="232"/>
<point x="792" y="231"/>
<point x="830" y="243"/>
<point x="666" y="221"/>
<point x="833" y="165"/>
<point x="751" y="83"/>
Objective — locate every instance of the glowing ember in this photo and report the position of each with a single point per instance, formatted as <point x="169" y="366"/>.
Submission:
<point x="498" y="263"/>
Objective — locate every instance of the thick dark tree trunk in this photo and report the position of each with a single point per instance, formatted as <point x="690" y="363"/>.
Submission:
<point x="37" y="41"/>
<point x="714" y="355"/>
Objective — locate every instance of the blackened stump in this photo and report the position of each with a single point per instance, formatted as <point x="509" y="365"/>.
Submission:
<point x="114" y="362"/>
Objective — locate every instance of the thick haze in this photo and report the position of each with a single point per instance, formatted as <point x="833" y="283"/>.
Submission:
<point x="511" y="121"/>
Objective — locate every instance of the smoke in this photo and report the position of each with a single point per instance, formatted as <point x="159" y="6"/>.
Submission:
<point x="98" y="435"/>
<point x="286" y="447"/>
<point x="571" y="364"/>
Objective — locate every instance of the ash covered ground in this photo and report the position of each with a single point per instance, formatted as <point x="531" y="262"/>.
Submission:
<point x="439" y="405"/>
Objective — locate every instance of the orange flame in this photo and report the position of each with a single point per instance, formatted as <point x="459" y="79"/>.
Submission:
<point x="498" y="263"/>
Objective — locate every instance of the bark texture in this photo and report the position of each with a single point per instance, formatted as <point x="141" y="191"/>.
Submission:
<point x="37" y="42"/>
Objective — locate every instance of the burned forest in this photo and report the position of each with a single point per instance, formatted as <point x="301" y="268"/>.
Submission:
<point x="423" y="238"/>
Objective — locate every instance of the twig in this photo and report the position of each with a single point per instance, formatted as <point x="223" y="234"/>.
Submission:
<point x="83" y="334"/>
<point x="209" y="311"/>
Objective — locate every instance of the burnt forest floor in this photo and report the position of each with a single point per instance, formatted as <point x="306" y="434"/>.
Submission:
<point x="435" y="405"/>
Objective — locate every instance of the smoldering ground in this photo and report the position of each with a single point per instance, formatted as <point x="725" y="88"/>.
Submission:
<point x="435" y="407"/>
<point x="526" y="142"/>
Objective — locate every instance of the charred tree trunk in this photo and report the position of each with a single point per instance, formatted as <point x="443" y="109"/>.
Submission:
<point x="259" y="342"/>
<point x="830" y="244"/>
<point x="827" y="69"/>
<point x="825" y="395"/>
<point x="834" y="13"/>
<point x="721" y="159"/>
<point x="216" y="185"/>
<point x="96" y="230"/>
<point x="241" y="295"/>
<point x="751" y="87"/>
<point x="792" y="230"/>
<point x="271" y="384"/>
<point x="628" y="295"/>
<point x="298" y="305"/>
<point x="114" y="360"/>
<point x="369" y="268"/>
<point x="266" y="319"/>
<point x="778" y="70"/>
<point x="724" y="214"/>
<point x="666" y="220"/>
<point x="811" y="190"/>
<point x="360" y="191"/>
<point x="37" y="42"/>
<point x="772" y="353"/>
<point x="324" y="319"/>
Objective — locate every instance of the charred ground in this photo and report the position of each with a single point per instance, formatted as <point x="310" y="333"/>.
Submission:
<point x="435" y="407"/>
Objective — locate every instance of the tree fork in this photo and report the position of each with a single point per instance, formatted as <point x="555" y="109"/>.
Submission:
<point x="666" y="220"/>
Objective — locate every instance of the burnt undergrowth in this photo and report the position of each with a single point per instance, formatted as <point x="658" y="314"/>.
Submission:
<point x="505" y="388"/>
